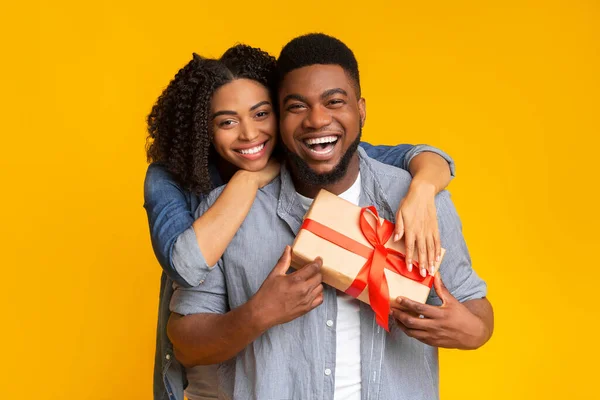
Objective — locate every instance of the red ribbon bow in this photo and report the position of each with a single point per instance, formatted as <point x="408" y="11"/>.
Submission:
<point x="378" y="258"/>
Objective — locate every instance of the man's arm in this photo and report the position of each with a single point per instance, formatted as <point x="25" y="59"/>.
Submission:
<point x="453" y="325"/>
<point x="459" y="315"/>
<point x="227" y="335"/>
<point x="211" y="334"/>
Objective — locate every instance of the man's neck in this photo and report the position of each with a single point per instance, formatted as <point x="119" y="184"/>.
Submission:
<point x="336" y="188"/>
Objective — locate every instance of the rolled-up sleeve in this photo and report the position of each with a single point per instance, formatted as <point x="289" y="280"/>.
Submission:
<point x="188" y="260"/>
<point x="421" y="148"/>
<point x="168" y="208"/>
<point x="401" y="155"/>
<point x="186" y="256"/>
<point x="456" y="269"/>
<point x="210" y="297"/>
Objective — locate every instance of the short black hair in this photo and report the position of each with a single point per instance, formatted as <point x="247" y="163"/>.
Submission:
<point x="318" y="48"/>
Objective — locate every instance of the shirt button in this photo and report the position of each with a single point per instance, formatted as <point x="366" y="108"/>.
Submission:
<point x="327" y="372"/>
<point x="168" y="356"/>
<point x="329" y="323"/>
<point x="202" y="281"/>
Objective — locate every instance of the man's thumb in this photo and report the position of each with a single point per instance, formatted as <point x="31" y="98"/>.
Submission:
<point x="440" y="288"/>
<point x="284" y="262"/>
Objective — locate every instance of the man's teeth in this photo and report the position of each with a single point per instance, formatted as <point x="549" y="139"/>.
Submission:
<point x="253" y="150"/>
<point x="325" y="139"/>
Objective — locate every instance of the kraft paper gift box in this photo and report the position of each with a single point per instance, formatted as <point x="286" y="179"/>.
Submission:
<point x="357" y="253"/>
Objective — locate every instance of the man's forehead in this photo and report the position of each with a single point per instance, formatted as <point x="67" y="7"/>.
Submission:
<point x="315" y="79"/>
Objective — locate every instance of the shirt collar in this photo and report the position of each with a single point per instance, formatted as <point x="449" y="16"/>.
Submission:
<point x="291" y="211"/>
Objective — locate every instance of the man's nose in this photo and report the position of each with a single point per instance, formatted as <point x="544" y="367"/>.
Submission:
<point x="317" y="118"/>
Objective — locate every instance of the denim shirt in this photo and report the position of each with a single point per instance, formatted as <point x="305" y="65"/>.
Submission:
<point x="170" y="211"/>
<point x="297" y="360"/>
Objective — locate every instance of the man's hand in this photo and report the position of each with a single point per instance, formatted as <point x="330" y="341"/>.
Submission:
<point x="282" y="298"/>
<point x="416" y="220"/>
<point x="451" y="325"/>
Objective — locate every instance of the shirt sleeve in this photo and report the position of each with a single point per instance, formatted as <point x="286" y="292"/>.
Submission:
<point x="186" y="256"/>
<point x="210" y="297"/>
<point x="401" y="155"/>
<point x="169" y="215"/>
<point x="456" y="269"/>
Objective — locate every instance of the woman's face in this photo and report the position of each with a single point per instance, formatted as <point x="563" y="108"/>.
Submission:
<point x="244" y="124"/>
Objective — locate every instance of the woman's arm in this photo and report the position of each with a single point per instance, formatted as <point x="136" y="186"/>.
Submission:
<point x="169" y="215"/>
<point x="217" y="226"/>
<point x="416" y="218"/>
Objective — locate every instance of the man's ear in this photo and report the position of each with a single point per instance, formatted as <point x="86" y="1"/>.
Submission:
<point x="362" y="110"/>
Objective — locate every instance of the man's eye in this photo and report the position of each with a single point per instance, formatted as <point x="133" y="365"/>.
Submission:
<point x="295" y="107"/>
<point x="335" y="102"/>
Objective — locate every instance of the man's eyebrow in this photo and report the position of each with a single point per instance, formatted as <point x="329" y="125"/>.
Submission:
<point x="294" y="96"/>
<point x="262" y="103"/>
<point x="223" y="112"/>
<point x="331" y="92"/>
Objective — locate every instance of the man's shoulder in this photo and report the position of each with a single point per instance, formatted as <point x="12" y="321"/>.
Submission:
<point x="388" y="178"/>
<point x="267" y="192"/>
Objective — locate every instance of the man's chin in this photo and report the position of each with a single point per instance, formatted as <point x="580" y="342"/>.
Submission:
<point x="322" y="168"/>
<point x="321" y="173"/>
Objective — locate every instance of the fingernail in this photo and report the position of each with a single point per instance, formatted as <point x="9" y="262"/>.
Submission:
<point x="438" y="258"/>
<point x="423" y="272"/>
<point x="396" y="237"/>
<point x="409" y="266"/>
<point x="431" y="270"/>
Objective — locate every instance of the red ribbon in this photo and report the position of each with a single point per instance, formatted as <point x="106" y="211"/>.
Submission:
<point x="378" y="258"/>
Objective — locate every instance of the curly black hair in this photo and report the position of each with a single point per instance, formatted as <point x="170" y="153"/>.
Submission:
<point x="179" y="134"/>
<point x="318" y="48"/>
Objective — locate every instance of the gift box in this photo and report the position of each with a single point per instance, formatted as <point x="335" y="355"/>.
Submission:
<point x="359" y="255"/>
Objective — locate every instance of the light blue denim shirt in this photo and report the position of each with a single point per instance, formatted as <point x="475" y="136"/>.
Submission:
<point x="296" y="360"/>
<point x="170" y="212"/>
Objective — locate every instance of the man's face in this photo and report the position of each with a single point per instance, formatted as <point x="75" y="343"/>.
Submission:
<point x="321" y="116"/>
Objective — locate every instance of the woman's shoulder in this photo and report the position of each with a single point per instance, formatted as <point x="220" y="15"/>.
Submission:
<point x="158" y="170"/>
<point x="159" y="178"/>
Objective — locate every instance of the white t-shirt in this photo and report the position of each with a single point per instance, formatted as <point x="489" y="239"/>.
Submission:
<point x="347" y="338"/>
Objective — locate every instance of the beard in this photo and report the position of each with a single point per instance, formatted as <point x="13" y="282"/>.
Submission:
<point x="307" y="176"/>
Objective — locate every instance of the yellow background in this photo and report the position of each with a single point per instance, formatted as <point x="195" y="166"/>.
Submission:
<point x="509" y="88"/>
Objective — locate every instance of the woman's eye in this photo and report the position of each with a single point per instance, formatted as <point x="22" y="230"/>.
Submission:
<point x="261" y="114"/>
<point x="226" y="123"/>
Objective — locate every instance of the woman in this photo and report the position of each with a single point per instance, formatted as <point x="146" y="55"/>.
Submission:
<point x="216" y="123"/>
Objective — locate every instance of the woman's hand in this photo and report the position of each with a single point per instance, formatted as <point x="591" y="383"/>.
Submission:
<point x="416" y="221"/>
<point x="265" y="175"/>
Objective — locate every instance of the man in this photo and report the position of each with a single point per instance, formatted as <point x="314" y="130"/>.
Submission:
<point x="287" y="336"/>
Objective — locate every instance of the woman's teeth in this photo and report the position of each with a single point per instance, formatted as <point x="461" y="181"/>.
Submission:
<point x="252" y="150"/>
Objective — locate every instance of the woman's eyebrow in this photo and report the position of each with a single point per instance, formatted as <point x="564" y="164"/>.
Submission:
<point x="223" y="112"/>
<point x="262" y="103"/>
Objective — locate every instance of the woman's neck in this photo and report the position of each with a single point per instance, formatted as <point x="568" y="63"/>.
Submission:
<point x="225" y="169"/>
